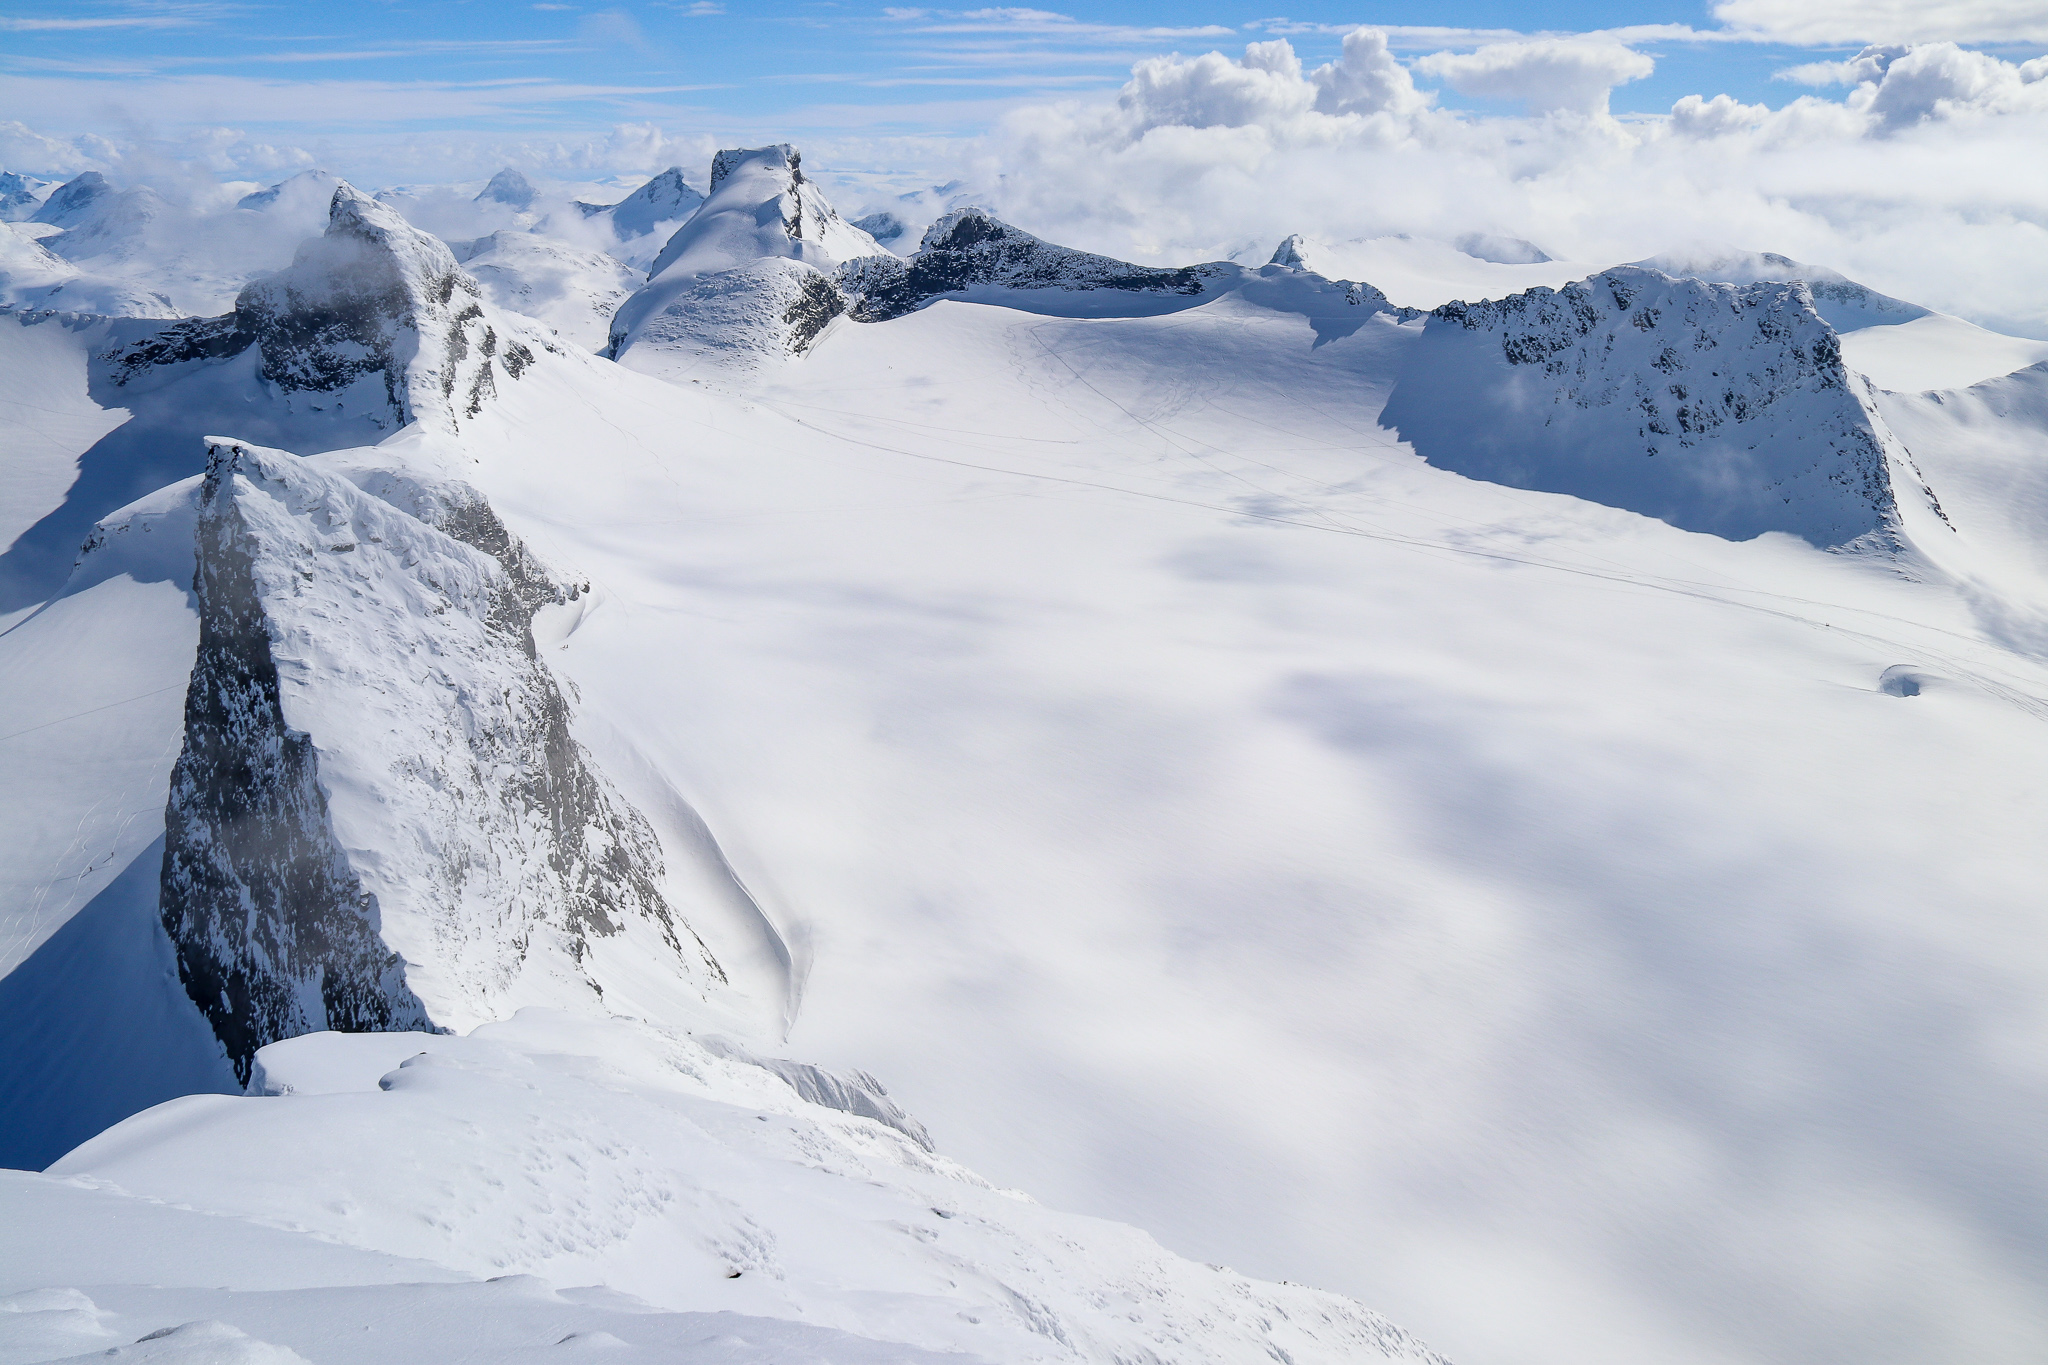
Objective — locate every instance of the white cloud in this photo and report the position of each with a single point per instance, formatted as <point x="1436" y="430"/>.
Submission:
<point x="1267" y="86"/>
<point x="1867" y="65"/>
<point x="1825" y="22"/>
<point x="1694" y="116"/>
<point x="1941" y="81"/>
<point x="1933" y="191"/>
<point x="1545" y="74"/>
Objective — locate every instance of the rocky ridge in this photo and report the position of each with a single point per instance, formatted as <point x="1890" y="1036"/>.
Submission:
<point x="1715" y="407"/>
<point x="381" y="819"/>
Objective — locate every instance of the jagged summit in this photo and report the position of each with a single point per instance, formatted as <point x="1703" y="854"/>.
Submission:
<point x="746" y="279"/>
<point x="761" y="206"/>
<point x="510" y="188"/>
<point x="970" y="253"/>
<point x="373" y="322"/>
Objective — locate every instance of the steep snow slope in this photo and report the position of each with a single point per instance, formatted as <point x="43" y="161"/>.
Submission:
<point x="21" y="195"/>
<point x="553" y="282"/>
<point x="744" y="283"/>
<point x="97" y="1024"/>
<point x="33" y="278"/>
<point x="698" y="1183"/>
<point x="1716" y="408"/>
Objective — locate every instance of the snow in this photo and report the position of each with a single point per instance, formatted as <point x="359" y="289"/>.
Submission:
<point x="1582" y="938"/>
<point x="742" y="282"/>
<point x="1937" y="352"/>
<point x="1900" y="345"/>
<point x="555" y="283"/>
<point x="581" y="1151"/>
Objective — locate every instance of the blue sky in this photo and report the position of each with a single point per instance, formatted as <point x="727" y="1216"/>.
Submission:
<point x="333" y="76"/>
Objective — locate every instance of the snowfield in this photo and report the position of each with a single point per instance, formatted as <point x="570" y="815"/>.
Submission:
<point x="1412" y="803"/>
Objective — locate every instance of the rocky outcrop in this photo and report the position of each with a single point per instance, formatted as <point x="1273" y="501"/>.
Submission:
<point x="1717" y="408"/>
<point x="380" y="818"/>
<point x="373" y="324"/>
<point x="971" y="250"/>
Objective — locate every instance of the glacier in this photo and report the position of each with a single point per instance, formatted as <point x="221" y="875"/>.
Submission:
<point x="1499" y="787"/>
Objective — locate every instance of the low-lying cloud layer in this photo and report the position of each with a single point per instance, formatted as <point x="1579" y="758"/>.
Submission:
<point x="1912" y="165"/>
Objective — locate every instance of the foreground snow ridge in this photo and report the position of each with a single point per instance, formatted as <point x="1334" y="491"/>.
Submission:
<point x="688" y="1177"/>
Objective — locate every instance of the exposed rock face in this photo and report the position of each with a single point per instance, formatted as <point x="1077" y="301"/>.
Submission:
<point x="373" y="306"/>
<point x="971" y="248"/>
<point x="373" y="322"/>
<point x="1717" y="408"/>
<point x="380" y="819"/>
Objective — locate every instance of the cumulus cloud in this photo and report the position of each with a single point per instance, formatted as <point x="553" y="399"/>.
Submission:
<point x="1545" y="74"/>
<point x="1942" y="81"/>
<point x="1268" y="86"/>
<point x="1695" y="116"/>
<point x="1829" y="22"/>
<point x="1925" y="181"/>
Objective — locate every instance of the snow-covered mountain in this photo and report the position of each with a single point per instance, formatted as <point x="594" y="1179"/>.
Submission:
<point x="21" y="195"/>
<point x="1518" y="813"/>
<point x="746" y="281"/>
<point x="1717" y="408"/>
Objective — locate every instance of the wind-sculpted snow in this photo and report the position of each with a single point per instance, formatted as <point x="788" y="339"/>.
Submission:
<point x="1717" y="408"/>
<point x="969" y="253"/>
<point x="580" y="1149"/>
<point x="381" y="819"/>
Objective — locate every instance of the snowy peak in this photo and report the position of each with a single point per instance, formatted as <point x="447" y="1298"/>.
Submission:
<point x="375" y="316"/>
<point x="1714" y="407"/>
<point x="73" y="201"/>
<point x="18" y="196"/>
<point x="761" y="206"/>
<point x="743" y="282"/>
<point x="667" y="198"/>
<point x="380" y="819"/>
<point x="970" y="253"/>
<point x="510" y="188"/>
<point x="1847" y="305"/>
<point x="292" y="190"/>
